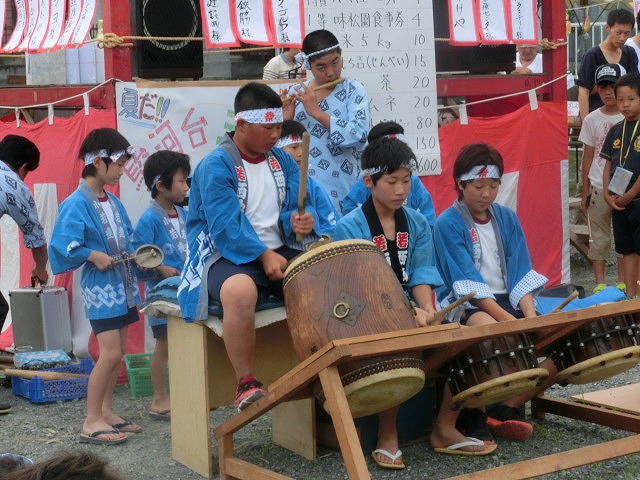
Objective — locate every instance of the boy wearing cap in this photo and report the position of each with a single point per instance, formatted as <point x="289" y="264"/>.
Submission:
<point x="241" y="225"/>
<point x="612" y="50"/>
<point x="594" y="130"/>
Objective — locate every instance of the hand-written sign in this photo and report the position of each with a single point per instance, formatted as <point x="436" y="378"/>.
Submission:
<point x="389" y="47"/>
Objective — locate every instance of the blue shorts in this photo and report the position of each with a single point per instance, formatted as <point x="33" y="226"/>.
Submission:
<point x="223" y="269"/>
<point x="115" y="323"/>
<point x="502" y="299"/>
<point x="626" y="228"/>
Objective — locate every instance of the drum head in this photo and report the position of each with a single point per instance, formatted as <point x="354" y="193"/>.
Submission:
<point x="499" y="389"/>
<point x="148" y="256"/>
<point x="382" y="391"/>
<point x="600" y="367"/>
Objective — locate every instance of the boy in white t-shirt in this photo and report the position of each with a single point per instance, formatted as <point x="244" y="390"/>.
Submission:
<point x="592" y="134"/>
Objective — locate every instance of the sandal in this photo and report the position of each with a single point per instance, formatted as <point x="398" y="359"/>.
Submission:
<point x="390" y="456"/>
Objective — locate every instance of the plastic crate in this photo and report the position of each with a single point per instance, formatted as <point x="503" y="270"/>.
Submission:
<point x="40" y="391"/>
<point x="139" y="373"/>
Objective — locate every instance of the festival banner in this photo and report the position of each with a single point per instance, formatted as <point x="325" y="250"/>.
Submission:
<point x="472" y="22"/>
<point x="85" y="20"/>
<point x="19" y="28"/>
<point x="463" y="23"/>
<point x="523" y="22"/>
<point x="74" y="11"/>
<point x="493" y="22"/>
<point x="251" y="22"/>
<point x="288" y="22"/>
<point x="56" y="23"/>
<point x="217" y="24"/>
<point x="40" y="29"/>
<point x="32" y="19"/>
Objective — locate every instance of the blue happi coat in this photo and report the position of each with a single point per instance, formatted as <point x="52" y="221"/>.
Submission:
<point x="151" y="230"/>
<point x="77" y="232"/>
<point x="420" y="266"/>
<point x="457" y="264"/>
<point x="217" y="226"/>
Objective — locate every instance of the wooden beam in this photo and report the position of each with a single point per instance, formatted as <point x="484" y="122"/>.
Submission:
<point x="102" y="97"/>
<point x="558" y="461"/>
<point x="586" y="413"/>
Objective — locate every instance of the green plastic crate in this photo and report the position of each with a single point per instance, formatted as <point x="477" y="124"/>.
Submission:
<point x="139" y="372"/>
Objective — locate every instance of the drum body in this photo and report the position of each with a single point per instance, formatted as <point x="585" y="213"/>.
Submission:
<point x="494" y="370"/>
<point x="599" y="350"/>
<point x="347" y="289"/>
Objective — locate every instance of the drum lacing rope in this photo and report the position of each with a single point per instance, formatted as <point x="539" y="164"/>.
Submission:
<point x="335" y="251"/>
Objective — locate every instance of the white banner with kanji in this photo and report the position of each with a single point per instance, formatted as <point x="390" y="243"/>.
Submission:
<point x="472" y="22"/>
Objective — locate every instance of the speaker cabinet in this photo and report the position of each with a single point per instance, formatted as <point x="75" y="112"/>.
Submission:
<point x="161" y="58"/>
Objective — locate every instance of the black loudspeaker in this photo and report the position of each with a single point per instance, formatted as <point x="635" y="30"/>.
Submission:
<point x="161" y="58"/>
<point x="473" y="59"/>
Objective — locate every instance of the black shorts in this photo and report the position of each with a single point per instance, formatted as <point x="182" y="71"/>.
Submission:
<point x="115" y="323"/>
<point x="223" y="269"/>
<point x="502" y="299"/>
<point x="626" y="228"/>
<point x="159" y="331"/>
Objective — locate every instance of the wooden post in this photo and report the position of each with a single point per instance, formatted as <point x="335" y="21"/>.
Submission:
<point x="117" y="19"/>
<point x="555" y="61"/>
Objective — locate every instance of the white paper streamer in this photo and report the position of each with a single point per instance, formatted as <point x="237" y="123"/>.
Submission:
<point x="85" y="100"/>
<point x="464" y="117"/>
<point x="56" y="23"/>
<point x="18" y="30"/>
<point x="217" y="25"/>
<point x="533" y="99"/>
<point x="50" y="113"/>
<point x="84" y="22"/>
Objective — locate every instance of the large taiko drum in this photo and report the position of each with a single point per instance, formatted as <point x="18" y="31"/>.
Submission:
<point x="347" y="289"/>
<point x="494" y="370"/>
<point x="599" y="350"/>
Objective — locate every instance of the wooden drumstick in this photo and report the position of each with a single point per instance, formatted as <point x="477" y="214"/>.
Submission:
<point x="15" y="372"/>
<point x="304" y="172"/>
<point x="318" y="87"/>
<point x="565" y="302"/>
<point x="440" y="314"/>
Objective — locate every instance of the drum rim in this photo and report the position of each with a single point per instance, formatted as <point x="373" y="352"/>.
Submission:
<point x="462" y="399"/>
<point x="148" y="246"/>
<point x="339" y="247"/>
<point x="574" y="371"/>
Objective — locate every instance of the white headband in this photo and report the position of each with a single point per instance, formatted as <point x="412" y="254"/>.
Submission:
<point x="288" y="140"/>
<point x="410" y="164"/>
<point x="130" y="150"/>
<point x="399" y="136"/>
<point x="262" y="116"/>
<point x="483" y="171"/>
<point x="303" y="59"/>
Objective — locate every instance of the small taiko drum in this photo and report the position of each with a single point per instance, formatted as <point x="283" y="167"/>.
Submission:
<point x="494" y="370"/>
<point x="346" y="289"/>
<point x="599" y="350"/>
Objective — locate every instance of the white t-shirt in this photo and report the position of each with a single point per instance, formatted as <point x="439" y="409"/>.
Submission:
<point x="490" y="259"/>
<point x="535" y="66"/>
<point x="631" y="42"/>
<point x="594" y="129"/>
<point x="277" y="67"/>
<point x="262" y="213"/>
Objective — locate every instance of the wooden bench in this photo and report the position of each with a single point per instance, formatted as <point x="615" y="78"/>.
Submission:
<point x="202" y="379"/>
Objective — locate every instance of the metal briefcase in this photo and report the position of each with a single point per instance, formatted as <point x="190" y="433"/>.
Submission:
<point x="40" y="318"/>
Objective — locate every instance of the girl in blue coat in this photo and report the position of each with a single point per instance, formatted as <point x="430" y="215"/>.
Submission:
<point x="93" y="231"/>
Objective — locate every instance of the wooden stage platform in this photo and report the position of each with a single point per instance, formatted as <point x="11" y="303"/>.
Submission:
<point x="194" y="384"/>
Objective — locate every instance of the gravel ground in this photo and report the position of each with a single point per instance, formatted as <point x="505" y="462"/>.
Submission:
<point x="40" y="430"/>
